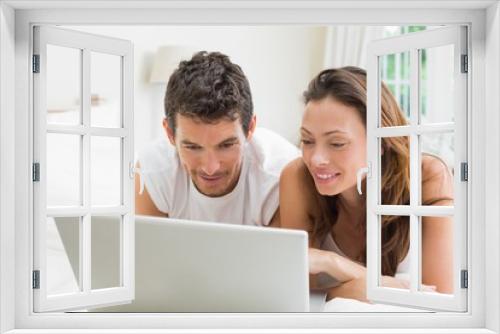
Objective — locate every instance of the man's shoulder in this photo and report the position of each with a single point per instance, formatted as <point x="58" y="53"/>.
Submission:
<point x="158" y="156"/>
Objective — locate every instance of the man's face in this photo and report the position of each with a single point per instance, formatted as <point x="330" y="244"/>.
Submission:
<point x="212" y="153"/>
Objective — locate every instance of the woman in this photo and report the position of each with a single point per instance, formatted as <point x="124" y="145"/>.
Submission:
<point x="328" y="206"/>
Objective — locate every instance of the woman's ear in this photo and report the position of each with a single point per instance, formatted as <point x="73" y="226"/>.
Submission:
<point x="169" y="131"/>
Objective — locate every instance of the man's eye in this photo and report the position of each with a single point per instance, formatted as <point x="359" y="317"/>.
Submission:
<point x="192" y="147"/>
<point x="227" y="145"/>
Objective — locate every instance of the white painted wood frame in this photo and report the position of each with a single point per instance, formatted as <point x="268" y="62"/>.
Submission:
<point x="85" y="296"/>
<point x="413" y="43"/>
<point x="483" y="17"/>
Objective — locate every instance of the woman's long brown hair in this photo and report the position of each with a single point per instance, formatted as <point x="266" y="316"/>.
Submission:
<point x="347" y="85"/>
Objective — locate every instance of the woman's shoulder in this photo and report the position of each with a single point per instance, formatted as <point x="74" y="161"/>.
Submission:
<point x="437" y="180"/>
<point x="295" y="174"/>
<point x="293" y="168"/>
<point x="433" y="167"/>
<point x="296" y="196"/>
<point x="296" y="191"/>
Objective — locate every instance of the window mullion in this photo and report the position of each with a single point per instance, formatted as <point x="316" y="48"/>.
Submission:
<point x="415" y="184"/>
<point x="85" y="241"/>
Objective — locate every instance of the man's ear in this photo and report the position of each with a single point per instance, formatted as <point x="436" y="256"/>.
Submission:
<point x="251" y="127"/>
<point x="169" y="132"/>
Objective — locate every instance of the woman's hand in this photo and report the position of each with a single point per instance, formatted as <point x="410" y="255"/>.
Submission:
<point x="356" y="288"/>
<point x="399" y="283"/>
<point x="318" y="261"/>
<point x="353" y="289"/>
<point x="335" y="265"/>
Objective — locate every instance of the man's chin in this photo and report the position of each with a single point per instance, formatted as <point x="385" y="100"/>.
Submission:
<point x="211" y="191"/>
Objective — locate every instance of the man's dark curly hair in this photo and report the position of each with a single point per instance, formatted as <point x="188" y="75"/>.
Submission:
<point x="209" y="88"/>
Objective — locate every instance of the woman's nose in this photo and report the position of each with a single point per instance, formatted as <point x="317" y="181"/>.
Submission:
<point x="319" y="158"/>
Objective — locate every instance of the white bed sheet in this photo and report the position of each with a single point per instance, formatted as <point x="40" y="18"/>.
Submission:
<point x="352" y="305"/>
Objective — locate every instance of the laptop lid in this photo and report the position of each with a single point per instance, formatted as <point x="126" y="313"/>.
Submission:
<point x="190" y="266"/>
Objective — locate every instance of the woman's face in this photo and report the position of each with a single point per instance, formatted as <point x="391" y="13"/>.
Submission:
<point x="333" y="145"/>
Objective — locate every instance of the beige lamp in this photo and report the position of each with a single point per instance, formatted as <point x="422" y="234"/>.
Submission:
<point x="167" y="59"/>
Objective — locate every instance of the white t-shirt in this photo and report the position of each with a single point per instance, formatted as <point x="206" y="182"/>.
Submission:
<point x="253" y="201"/>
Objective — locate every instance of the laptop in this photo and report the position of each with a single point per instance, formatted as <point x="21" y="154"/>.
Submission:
<point x="192" y="266"/>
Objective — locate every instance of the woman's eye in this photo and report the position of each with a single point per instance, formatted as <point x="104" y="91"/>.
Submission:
<point x="306" y="141"/>
<point x="338" y="145"/>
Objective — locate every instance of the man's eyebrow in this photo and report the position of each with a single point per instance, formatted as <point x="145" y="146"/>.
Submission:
<point x="229" y="140"/>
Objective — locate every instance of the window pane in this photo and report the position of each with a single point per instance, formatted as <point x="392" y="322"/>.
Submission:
<point x="105" y="88"/>
<point x="63" y="169"/>
<point x="106" y="252"/>
<point x="63" y="85"/>
<point x="437" y="254"/>
<point x="436" y="84"/>
<point x="437" y="162"/>
<point x="106" y="173"/>
<point x="63" y="255"/>
<point x="394" y="187"/>
<point x="395" y="73"/>
<point x="394" y="255"/>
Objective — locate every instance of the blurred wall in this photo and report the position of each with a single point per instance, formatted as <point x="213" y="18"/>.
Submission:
<point x="279" y="61"/>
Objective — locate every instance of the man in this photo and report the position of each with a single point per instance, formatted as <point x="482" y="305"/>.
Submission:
<point x="217" y="166"/>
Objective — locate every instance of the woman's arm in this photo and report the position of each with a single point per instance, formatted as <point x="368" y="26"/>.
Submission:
<point x="296" y="201"/>
<point x="295" y="198"/>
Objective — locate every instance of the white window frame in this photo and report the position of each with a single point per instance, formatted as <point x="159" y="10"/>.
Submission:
<point x="483" y="18"/>
<point x="86" y="296"/>
<point x="456" y="36"/>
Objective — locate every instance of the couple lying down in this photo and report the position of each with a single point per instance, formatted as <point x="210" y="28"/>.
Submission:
<point x="216" y="165"/>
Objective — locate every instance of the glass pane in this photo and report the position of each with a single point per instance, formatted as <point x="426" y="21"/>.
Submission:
<point x="394" y="187"/>
<point x="436" y="84"/>
<point x="63" y="85"/>
<point x="106" y="252"/>
<point x="63" y="169"/>
<point x="395" y="73"/>
<point x="437" y="254"/>
<point x="437" y="170"/>
<point x="63" y="255"/>
<point x="394" y="255"/>
<point x="105" y="89"/>
<point x="106" y="173"/>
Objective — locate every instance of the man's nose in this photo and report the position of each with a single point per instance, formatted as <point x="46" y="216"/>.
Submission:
<point x="211" y="164"/>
